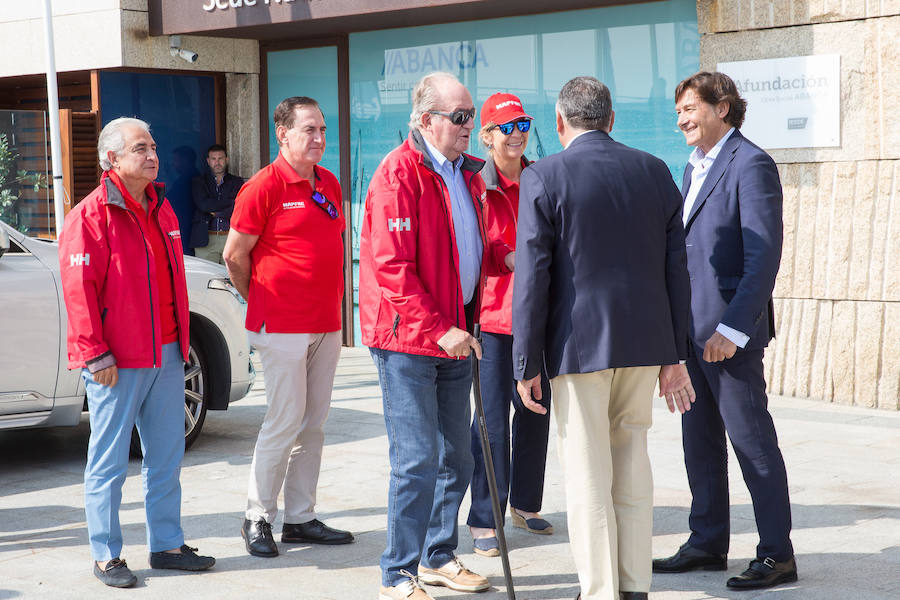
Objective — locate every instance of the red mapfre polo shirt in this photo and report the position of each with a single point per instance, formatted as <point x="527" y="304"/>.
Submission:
<point x="297" y="276"/>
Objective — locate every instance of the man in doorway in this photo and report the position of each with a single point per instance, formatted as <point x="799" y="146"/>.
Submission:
<point x="285" y="255"/>
<point x="422" y="254"/>
<point x="602" y="298"/>
<point x="732" y="216"/>
<point x="214" y="193"/>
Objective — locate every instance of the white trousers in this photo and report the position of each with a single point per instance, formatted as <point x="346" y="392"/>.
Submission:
<point x="602" y="420"/>
<point x="299" y="374"/>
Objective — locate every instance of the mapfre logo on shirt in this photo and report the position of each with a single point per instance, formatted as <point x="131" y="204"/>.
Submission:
<point x="295" y="204"/>
<point x="175" y="234"/>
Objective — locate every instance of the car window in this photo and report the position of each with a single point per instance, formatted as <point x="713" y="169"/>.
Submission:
<point x="15" y="248"/>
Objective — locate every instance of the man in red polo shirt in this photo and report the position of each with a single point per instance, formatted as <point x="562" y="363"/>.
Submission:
<point x="285" y="255"/>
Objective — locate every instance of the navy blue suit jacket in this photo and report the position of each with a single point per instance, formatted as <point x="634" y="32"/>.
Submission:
<point x="734" y="237"/>
<point x="601" y="277"/>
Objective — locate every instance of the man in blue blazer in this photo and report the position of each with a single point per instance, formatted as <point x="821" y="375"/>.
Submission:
<point x="732" y="217"/>
<point x="601" y="293"/>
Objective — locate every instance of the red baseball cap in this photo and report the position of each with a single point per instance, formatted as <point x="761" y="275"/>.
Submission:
<point x="502" y="108"/>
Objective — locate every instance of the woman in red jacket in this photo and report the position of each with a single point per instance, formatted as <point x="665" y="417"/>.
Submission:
<point x="126" y="299"/>
<point x="520" y="477"/>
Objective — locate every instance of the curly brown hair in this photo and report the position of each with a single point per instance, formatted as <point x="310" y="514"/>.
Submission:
<point x="713" y="88"/>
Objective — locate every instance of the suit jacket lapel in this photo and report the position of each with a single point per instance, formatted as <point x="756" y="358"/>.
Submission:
<point x="686" y="180"/>
<point x="718" y="168"/>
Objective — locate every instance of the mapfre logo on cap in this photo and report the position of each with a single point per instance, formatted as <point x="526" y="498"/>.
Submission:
<point x="508" y="103"/>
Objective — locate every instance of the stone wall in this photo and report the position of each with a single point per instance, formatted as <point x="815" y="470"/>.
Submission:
<point x="837" y="297"/>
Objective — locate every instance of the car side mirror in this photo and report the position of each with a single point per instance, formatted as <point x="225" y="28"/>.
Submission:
<point x="4" y="241"/>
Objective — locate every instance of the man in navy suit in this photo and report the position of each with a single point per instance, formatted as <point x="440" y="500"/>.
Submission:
<point x="732" y="217"/>
<point x="602" y="295"/>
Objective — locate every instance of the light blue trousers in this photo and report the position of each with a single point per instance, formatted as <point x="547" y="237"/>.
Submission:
<point x="152" y="399"/>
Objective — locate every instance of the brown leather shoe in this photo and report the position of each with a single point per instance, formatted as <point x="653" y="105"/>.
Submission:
<point x="454" y="576"/>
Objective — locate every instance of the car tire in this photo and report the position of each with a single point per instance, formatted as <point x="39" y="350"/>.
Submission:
<point x="196" y="394"/>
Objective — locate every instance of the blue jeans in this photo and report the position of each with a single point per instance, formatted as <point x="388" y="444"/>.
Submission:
<point x="521" y="478"/>
<point x="152" y="399"/>
<point x="426" y="412"/>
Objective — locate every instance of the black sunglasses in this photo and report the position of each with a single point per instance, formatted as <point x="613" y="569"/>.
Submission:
<point x="457" y="117"/>
<point x="507" y="128"/>
<point x="323" y="202"/>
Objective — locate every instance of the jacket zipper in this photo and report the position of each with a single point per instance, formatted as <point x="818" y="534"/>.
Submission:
<point x="149" y="284"/>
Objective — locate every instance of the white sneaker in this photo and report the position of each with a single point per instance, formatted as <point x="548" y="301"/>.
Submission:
<point x="455" y="576"/>
<point x="408" y="590"/>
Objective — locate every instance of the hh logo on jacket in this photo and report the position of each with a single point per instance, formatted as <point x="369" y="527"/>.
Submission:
<point x="399" y="224"/>
<point x="76" y="260"/>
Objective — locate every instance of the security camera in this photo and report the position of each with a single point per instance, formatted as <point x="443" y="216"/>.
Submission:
<point x="175" y="49"/>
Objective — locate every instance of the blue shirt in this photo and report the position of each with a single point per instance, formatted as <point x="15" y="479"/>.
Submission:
<point x="465" y="220"/>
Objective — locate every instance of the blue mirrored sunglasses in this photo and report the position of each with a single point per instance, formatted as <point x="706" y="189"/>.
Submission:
<point x="325" y="204"/>
<point x="507" y="128"/>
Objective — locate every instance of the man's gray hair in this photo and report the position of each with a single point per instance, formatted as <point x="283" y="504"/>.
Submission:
<point x="112" y="140"/>
<point x="426" y="97"/>
<point x="585" y="103"/>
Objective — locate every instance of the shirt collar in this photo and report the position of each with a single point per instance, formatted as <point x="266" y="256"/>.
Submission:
<point x="698" y="156"/>
<point x="287" y="171"/>
<point x="578" y="136"/>
<point x="439" y="159"/>
<point x="503" y="181"/>
<point x="130" y="202"/>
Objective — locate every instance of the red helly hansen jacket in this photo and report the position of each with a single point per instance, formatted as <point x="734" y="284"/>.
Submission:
<point x="409" y="290"/>
<point x="109" y="282"/>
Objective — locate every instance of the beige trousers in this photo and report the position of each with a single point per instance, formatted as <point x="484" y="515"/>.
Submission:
<point x="213" y="250"/>
<point x="299" y="374"/>
<point x="602" y="420"/>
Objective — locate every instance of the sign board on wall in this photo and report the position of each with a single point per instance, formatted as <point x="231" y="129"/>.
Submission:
<point x="791" y="102"/>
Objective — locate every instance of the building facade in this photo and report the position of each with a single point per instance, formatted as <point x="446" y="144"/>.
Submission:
<point x="837" y="292"/>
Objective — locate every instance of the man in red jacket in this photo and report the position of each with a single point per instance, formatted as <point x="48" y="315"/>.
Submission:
<point x="126" y="298"/>
<point x="423" y="252"/>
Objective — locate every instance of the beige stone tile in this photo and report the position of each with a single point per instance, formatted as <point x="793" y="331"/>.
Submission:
<point x="242" y="116"/>
<point x="795" y="345"/>
<point x="779" y="347"/>
<point x="781" y="13"/>
<point x="820" y="373"/>
<point x="861" y="237"/>
<point x="889" y="376"/>
<point x="892" y="250"/>
<point x="824" y="210"/>
<point x="805" y="234"/>
<point x="841" y="231"/>
<point x="869" y="326"/>
<point x="805" y="347"/>
<point x="881" y="215"/>
<point x="790" y="185"/>
<point x="843" y="333"/>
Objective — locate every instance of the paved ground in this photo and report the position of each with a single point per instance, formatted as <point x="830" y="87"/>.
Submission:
<point x="843" y="465"/>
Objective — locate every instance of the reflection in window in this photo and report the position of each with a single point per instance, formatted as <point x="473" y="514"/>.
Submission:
<point x="640" y="51"/>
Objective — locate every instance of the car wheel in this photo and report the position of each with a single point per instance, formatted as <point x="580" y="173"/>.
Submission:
<point x="196" y="395"/>
<point x="196" y="392"/>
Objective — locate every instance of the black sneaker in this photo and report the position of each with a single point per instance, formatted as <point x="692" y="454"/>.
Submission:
<point x="187" y="560"/>
<point x="116" y="574"/>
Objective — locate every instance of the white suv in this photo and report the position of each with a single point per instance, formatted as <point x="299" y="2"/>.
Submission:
<point x="36" y="389"/>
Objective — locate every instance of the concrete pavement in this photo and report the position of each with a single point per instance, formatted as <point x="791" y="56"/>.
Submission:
<point x="843" y="466"/>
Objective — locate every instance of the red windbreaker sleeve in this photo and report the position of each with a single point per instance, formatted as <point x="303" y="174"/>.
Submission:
<point x="83" y="257"/>
<point x="394" y="195"/>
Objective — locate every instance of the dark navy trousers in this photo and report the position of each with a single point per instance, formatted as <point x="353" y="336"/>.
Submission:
<point x="731" y="397"/>
<point x="520" y="477"/>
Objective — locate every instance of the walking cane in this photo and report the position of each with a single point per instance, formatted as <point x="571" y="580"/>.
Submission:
<point x="489" y="469"/>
